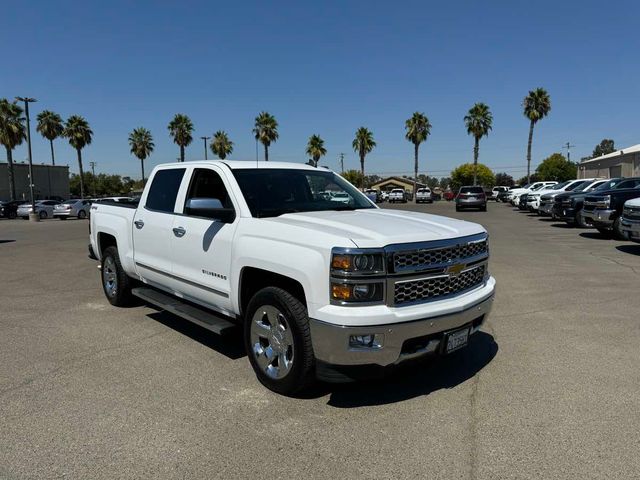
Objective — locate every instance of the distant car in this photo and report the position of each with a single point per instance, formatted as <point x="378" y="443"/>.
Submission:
<point x="471" y="197"/>
<point x="342" y="197"/>
<point x="72" y="208"/>
<point x="372" y="194"/>
<point x="398" y="195"/>
<point x="495" y="192"/>
<point x="449" y="195"/>
<point x="44" y="209"/>
<point x="424" y="195"/>
<point x="384" y="196"/>
<point x="10" y="209"/>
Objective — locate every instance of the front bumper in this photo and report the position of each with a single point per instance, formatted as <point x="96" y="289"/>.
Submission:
<point x="632" y="227"/>
<point x="402" y="341"/>
<point x="564" y="212"/>
<point x="546" y="209"/>
<point x="599" y="218"/>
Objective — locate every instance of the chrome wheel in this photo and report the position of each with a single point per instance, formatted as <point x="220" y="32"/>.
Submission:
<point x="272" y="341"/>
<point x="109" y="277"/>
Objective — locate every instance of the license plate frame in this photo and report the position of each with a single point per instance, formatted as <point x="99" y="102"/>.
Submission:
<point x="456" y="339"/>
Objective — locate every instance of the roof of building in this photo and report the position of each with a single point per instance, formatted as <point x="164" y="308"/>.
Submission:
<point x="408" y="181"/>
<point x="617" y="153"/>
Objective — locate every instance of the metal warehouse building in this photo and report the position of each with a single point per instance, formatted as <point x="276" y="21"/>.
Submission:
<point x="49" y="181"/>
<point x="621" y="163"/>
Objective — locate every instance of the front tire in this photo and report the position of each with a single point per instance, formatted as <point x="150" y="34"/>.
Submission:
<point x="278" y="341"/>
<point x="618" y="233"/>
<point x="42" y="215"/>
<point x="604" y="232"/>
<point x="82" y="215"/>
<point x="116" y="284"/>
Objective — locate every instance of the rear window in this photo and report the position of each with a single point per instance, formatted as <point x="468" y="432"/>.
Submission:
<point x="164" y="190"/>
<point x="471" y="190"/>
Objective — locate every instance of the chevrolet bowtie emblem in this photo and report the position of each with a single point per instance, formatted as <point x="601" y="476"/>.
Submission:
<point x="454" y="270"/>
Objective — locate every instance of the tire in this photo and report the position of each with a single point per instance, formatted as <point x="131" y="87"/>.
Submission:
<point x="278" y="321"/>
<point x="12" y="215"/>
<point x="483" y="209"/>
<point x="578" y="222"/>
<point x="116" y="284"/>
<point x="43" y="214"/>
<point x="458" y="208"/>
<point x="82" y="215"/>
<point x="618" y="233"/>
<point x="604" y="232"/>
<point x="62" y="218"/>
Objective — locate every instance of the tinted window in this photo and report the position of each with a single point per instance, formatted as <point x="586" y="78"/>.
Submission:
<point x="164" y="189"/>
<point x="471" y="190"/>
<point x="573" y="186"/>
<point x="628" y="184"/>
<point x="206" y="183"/>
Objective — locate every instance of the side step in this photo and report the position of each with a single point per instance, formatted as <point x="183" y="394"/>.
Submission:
<point x="200" y="316"/>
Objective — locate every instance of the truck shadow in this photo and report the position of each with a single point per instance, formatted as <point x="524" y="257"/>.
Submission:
<point x="630" y="249"/>
<point x="416" y="380"/>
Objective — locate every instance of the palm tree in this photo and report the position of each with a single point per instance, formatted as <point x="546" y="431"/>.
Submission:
<point x="141" y="143"/>
<point x="315" y="149"/>
<point x="181" y="128"/>
<point x="266" y="131"/>
<point x="79" y="134"/>
<point x="537" y="105"/>
<point x="12" y="133"/>
<point x="363" y="144"/>
<point x="418" y="129"/>
<point x="478" y="121"/>
<point x="221" y="145"/>
<point x="50" y="127"/>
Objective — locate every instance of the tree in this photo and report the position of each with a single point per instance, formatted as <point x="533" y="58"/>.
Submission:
<point x="417" y="129"/>
<point x="463" y="175"/>
<point x="266" y="131"/>
<point x="603" y="148"/>
<point x="353" y="176"/>
<point x="181" y="129"/>
<point x="504" y="179"/>
<point x="530" y="179"/>
<point x="557" y="167"/>
<point x="79" y="134"/>
<point x="536" y="105"/>
<point x="444" y="182"/>
<point x="221" y="145"/>
<point x="50" y="126"/>
<point x="362" y="144"/>
<point x="315" y="149"/>
<point x="478" y="121"/>
<point x="141" y="143"/>
<point x="12" y="133"/>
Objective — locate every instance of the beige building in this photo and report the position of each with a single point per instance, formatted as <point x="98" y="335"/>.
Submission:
<point x="49" y="181"/>
<point x="390" y="183"/>
<point x="621" y="163"/>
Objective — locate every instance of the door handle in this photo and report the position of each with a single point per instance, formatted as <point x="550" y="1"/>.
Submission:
<point x="179" y="232"/>
<point x="139" y="224"/>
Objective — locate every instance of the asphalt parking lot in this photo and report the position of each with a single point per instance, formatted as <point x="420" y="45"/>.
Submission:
<point x="549" y="389"/>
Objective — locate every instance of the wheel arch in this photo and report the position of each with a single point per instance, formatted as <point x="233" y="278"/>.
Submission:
<point x="253" y="279"/>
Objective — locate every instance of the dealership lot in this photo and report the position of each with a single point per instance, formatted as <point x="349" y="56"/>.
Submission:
<point x="549" y="389"/>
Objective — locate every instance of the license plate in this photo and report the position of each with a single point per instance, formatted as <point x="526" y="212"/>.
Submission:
<point x="456" y="340"/>
<point x="472" y="198"/>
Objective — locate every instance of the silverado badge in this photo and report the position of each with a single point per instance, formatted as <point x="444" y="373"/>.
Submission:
<point x="454" y="270"/>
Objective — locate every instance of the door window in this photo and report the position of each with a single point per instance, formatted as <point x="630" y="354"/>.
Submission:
<point x="164" y="190"/>
<point x="206" y="183"/>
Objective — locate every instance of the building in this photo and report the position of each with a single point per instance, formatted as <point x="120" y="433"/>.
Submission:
<point x="621" y="163"/>
<point x="49" y="181"/>
<point x="390" y="183"/>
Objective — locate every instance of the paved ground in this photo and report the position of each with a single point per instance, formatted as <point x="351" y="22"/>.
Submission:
<point x="550" y="389"/>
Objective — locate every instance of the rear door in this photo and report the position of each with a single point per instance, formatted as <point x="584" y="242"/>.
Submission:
<point x="201" y="246"/>
<point x="152" y="226"/>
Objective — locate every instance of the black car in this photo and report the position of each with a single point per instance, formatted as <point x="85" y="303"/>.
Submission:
<point x="9" y="209"/>
<point x="522" y="201"/>
<point x="603" y="209"/>
<point x="568" y="206"/>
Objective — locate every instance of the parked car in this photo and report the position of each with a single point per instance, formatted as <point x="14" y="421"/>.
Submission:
<point x="471" y="197"/>
<point x="546" y="198"/>
<point x="495" y="191"/>
<point x="320" y="290"/>
<point x="631" y="219"/>
<point x="449" y="195"/>
<point x="522" y="198"/>
<point x="372" y="194"/>
<point x="504" y="195"/>
<point x="603" y="210"/>
<point x="398" y="195"/>
<point x="567" y="206"/>
<point x="10" y="209"/>
<point x="72" y="208"/>
<point x="423" y="195"/>
<point x="514" y="194"/>
<point x="384" y="196"/>
<point x="44" y="209"/>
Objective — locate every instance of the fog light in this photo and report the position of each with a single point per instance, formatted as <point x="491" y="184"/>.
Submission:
<point x="367" y="341"/>
<point x="362" y="291"/>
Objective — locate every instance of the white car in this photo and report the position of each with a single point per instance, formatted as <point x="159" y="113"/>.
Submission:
<point x="630" y="222"/>
<point x="319" y="289"/>
<point x="341" y="197"/>
<point x="496" y="190"/>
<point x="398" y="195"/>
<point x="423" y="195"/>
<point x="72" y="208"/>
<point x="44" y="209"/>
<point x="514" y="195"/>
<point x="545" y="197"/>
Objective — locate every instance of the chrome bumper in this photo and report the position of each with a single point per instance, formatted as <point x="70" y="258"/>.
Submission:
<point x="331" y="342"/>
<point x="598" y="217"/>
<point x="632" y="227"/>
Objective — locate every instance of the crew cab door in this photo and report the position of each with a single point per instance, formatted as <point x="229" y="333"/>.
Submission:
<point x="152" y="226"/>
<point x="201" y="239"/>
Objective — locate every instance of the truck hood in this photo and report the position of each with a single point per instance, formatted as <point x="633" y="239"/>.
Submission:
<point x="381" y="227"/>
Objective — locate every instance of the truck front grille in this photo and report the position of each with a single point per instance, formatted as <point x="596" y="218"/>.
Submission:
<point x="430" y="288"/>
<point x="421" y="259"/>
<point x="632" y="213"/>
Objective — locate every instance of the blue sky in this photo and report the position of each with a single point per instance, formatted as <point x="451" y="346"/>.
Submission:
<point x="327" y="68"/>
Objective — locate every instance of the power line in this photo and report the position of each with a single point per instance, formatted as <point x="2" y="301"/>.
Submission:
<point x="568" y="147"/>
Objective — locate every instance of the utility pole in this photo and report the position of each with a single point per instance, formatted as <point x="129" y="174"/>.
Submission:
<point x="568" y="147"/>
<point x="93" y="172"/>
<point x="205" y="146"/>
<point x="33" y="216"/>
<point x="342" y="163"/>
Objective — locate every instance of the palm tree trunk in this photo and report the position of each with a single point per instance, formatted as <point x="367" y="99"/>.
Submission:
<point x="81" y="172"/>
<point x="53" y="157"/>
<point x="182" y="153"/>
<point x="142" y="165"/>
<point x="266" y="153"/>
<point x="415" y="169"/>
<point x="529" y="152"/>
<point x="476" y="147"/>
<point x="12" y="182"/>
<point x="362" y="170"/>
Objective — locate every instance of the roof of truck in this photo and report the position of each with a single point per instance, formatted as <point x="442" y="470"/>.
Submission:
<point x="244" y="164"/>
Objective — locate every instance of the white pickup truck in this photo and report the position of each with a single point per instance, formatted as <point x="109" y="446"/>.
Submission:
<point x="321" y="289"/>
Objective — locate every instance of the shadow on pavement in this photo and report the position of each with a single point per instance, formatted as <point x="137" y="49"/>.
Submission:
<point x="7" y="241"/>
<point x="562" y="225"/>
<point x="595" y="236"/>
<point x="630" y="249"/>
<point x="418" y="379"/>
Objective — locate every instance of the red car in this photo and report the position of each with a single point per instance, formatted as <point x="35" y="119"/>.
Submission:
<point x="448" y="196"/>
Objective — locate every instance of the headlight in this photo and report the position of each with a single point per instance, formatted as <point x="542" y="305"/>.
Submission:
<point x="357" y="276"/>
<point x="607" y="201"/>
<point x="357" y="292"/>
<point x="357" y="263"/>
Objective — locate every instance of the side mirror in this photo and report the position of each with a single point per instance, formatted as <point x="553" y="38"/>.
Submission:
<point x="209" y="208"/>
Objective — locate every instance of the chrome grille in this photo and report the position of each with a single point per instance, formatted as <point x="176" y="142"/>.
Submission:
<point x="632" y="213"/>
<point x="417" y="259"/>
<point x="430" y="288"/>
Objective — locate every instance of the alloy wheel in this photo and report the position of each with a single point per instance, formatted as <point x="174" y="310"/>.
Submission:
<point x="272" y="341"/>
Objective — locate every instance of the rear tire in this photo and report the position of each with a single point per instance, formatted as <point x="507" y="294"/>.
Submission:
<point x="82" y="215"/>
<point x="62" y="218"/>
<point x="483" y="209"/>
<point x="604" y="232"/>
<point x="278" y="341"/>
<point x="116" y="284"/>
<point x="42" y="215"/>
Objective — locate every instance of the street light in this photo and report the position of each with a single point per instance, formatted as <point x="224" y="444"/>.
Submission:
<point x="205" y="146"/>
<point x="33" y="216"/>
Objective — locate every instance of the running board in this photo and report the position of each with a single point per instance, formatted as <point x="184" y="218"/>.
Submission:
<point x="200" y="316"/>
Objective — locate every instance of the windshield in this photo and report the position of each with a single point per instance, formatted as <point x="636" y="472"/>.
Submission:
<point x="272" y="192"/>
<point x="575" y="185"/>
<point x="471" y="190"/>
<point x="608" y="185"/>
<point x="583" y="186"/>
